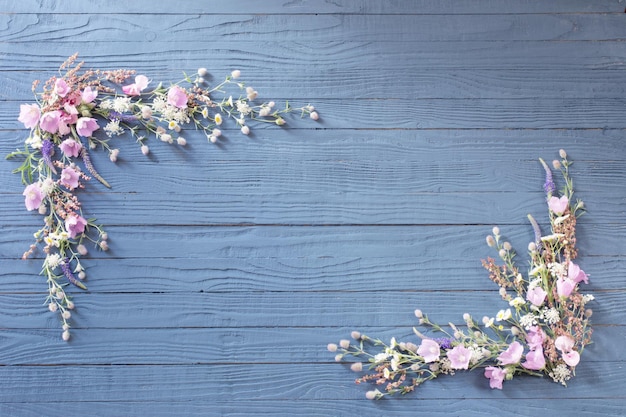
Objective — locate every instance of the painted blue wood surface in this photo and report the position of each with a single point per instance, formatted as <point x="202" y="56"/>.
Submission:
<point x="232" y="267"/>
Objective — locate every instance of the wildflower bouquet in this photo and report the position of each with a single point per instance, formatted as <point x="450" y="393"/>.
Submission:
<point x="543" y="330"/>
<point x="70" y="112"/>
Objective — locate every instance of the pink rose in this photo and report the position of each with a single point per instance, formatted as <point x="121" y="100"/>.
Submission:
<point x="61" y="88"/>
<point x="459" y="357"/>
<point x="496" y="376"/>
<point x="429" y="350"/>
<point x="33" y="195"/>
<point x="177" y="97"/>
<point x="576" y="274"/>
<point x="29" y="115"/>
<point x="564" y="287"/>
<point x="512" y="355"/>
<point x="75" y="225"/>
<point x="558" y="205"/>
<point x="89" y="95"/>
<point x="50" y="121"/>
<point x="536" y="296"/>
<point x="535" y="360"/>
<point x="70" y="147"/>
<point x="141" y="82"/>
<point x="69" y="178"/>
<point x="85" y="126"/>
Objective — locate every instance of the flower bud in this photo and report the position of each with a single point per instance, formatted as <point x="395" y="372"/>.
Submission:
<point x="203" y="72"/>
<point x="355" y="335"/>
<point x="507" y="246"/>
<point x="82" y="275"/>
<point x="496" y="231"/>
<point x="145" y="149"/>
<point x="357" y="366"/>
<point x="588" y="312"/>
<point x="66" y="335"/>
<point x="556" y="164"/>
<point x="532" y="247"/>
<point x="245" y="130"/>
<point x="181" y="141"/>
<point x="345" y="344"/>
<point x="502" y="253"/>
<point x="235" y="74"/>
<point x="338" y="357"/>
<point x="491" y="242"/>
<point x="314" y="115"/>
<point x="216" y="132"/>
<point x="467" y="317"/>
<point x="562" y="153"/>
<point x="81" y="249"/>
<point x="332" y="347"/>
<point x="419" y="314"/>
<point x="104" y="245"/>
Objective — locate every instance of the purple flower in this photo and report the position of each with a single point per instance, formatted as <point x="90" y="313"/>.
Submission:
<point x="496" y="376"/>
<point x="29" y="115"/>
<point x="75" y="225"/>
<point x="549" y="186"/>
<point x="69" y="178"/>
<point x="536" y="296"/>
<point x="536" y="231"/>
<point x="123" y="117"/>
<point x="49" y="121"/>
<point x="429" y="350"/>
<point x="85" y="126"/>
<point x="459" y="357"/>
<point x="33" y="195"/>
<point x="70" y="147"/>
<point x="67" y="271"/>
<point x="535" y="360"/>
<point x="571" y="358"/>
<point x="47" y="149"/>
<point x="177" y="97"/>
<point x="444" y="342"/>
<point x="512" y="355"/>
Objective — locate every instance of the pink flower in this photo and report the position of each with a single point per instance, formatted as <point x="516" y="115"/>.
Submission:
<point x="33" y="195"/>
<point x="536" y="296"/>
<point x="50" y="121"/>
<point x="535" y="360"/>
<point x="496" y="376"/>
<point x="459" y="357"/>
<point x="69" y="178"/>
<point x="177" y="97"/>
<point x="564" y="287"/>
<point x="576" y="274"/>
<point x="89" y="95"/>
<point x="141" y="82"/>
<point x="61" y="88"/>
<point x="85" y="126"/>
<point x="564" y="343"/>
<point x="512" y="355"/>
<point x="571" y="358"/>
<point x="535" y="337"/>
<point x="29" y="115"/>
<point x="429" y="350"/>
<point x="75" y="225"/>
<point x="558" y="205"/>
<point x="66" y="119"/>
<point x="70" y="147"/>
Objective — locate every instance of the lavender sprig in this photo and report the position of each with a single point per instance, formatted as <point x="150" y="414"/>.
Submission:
<point x="47" y="149"/>
<point x="549" y="187"/>
<point x="87" y="160"/>
<point x="67" y="271"/>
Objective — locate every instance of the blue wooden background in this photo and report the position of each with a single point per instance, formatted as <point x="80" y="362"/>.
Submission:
<point x="232" y="267"/>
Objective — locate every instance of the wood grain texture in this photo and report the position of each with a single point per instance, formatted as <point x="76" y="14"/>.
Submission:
<point x="231" y="267"/>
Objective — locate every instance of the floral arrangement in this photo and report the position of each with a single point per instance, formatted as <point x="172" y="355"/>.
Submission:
<point x="69" y="113"/>
<point x="542" y="331"/>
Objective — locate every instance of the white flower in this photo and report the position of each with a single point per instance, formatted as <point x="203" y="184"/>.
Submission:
<point x="121" y="104"/>
<point x="34" y="141"/>
<point x="243" y="107"/>
<point x="113" y="128"/>
<point x="503" y="315"/>
<point x="587" y="298"/>
<point x="517" y="302"/>
<point x="488" y="321"/>
<point x="561" y="373"/>
<point x="53" y="260"/>
<point x="47" y="186"/>
<point x="380" y="357"/>
<point x="106" y="104"/>
<point x="551" y="315"/>
<point x="528" y="320"/>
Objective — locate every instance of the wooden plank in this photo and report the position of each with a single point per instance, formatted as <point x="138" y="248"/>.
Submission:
<point x="404" y="407"/>
<point x="309" y="57"/>
<point x="190" y="346"/>
<point x="370" y="83"/>
<point x="336" y="7"/>
<point x="37" y="384"/>
<point x="200" y="241"/>
<point x="536" y="113"/>
<point x="47" y="27"/>
<point x="358" y="309"/>
<point x="294" y="274"/>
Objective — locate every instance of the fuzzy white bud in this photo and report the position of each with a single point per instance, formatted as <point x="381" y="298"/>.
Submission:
<point x="235" y="74"/>
<point x="66" y="335"/>
<point x="356" y="367"/>
<point x="245" y="130"/>
<point x="314" y="115"/>
<point x="332" y="347"/>
<point x="345" y="344"/>
<point x="181" y="141"/>
<point x="145" y="149"/>
<point x="203" y="72"/>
